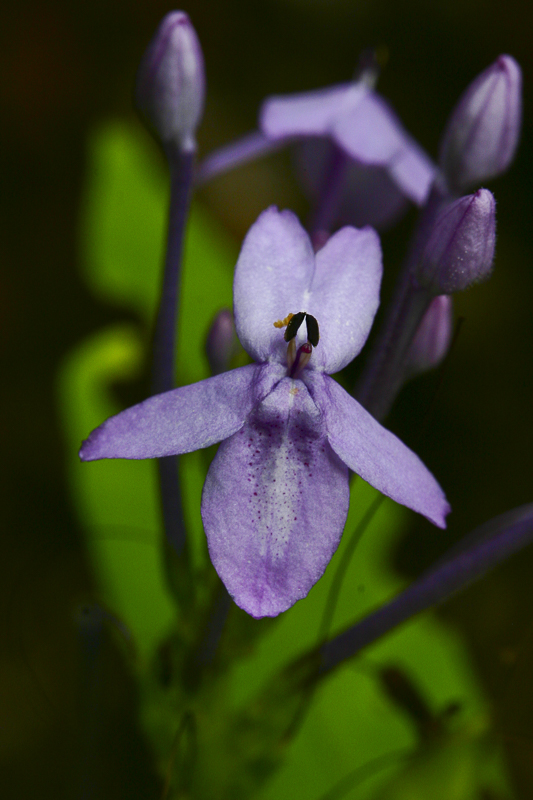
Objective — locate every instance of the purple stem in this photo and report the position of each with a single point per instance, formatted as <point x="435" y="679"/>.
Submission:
<point x="384" y="372"/>
<point x="482" y="550"/>
<point x="181" y="171"/>
<point x="330" y="196"/>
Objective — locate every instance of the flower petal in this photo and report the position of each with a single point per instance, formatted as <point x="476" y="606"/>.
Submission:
<point x="277" y="273"/>
<point x="275" y="503"/>
<point x="308" y="113"/>
<point x="344" y="295"/>
<point x="273" y="272"/>
<point x="372" y="134"/>
<point x="183" y="419"/>
<point x="374" y="453"/>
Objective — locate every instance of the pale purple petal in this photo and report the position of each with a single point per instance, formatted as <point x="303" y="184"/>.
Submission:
<point x="373" y="134"/>
<point x="344" y="295"/>
<point x="413" y="171"/>
<point x="183" y="419"/>
<point x="274" y="270"/>
<point x="277" y="273"/>
<point x="275" y="503"/>
<point x="374" y="453"/>
<point x="309" y="113"/>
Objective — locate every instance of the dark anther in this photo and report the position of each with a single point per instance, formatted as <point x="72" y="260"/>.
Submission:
<point x="312" y="330"/>
<point x="294" y="324"/>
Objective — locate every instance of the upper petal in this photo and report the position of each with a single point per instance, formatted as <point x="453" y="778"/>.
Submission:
<point x="273" y="272"/>
<point x="344" y="295"/>
<point x="275" y="502"/>
<point x="183" y="419"/>
<point x="277" y="273"/>
<point x="308" y="113"/>
<point x="374" y="453"/>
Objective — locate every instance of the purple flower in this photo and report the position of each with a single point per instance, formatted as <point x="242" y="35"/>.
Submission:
<point x="361" y="123"/>
<point x="276" y="495"/>
<point x="347" y="130"/>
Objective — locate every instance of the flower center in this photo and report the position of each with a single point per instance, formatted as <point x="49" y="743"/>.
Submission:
<point x="298" y="358"/>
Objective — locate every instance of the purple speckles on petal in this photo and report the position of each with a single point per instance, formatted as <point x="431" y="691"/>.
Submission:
<point x="272" y="527"/>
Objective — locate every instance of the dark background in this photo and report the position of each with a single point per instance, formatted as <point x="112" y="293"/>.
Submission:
<point x="65" y="66"/>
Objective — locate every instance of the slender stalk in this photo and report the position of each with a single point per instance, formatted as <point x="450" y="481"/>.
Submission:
<point x="486" y="547"/>
<point x="386" y="368"/>
<point x="330" y="195"/>
<point x="384" y="373"/>
<point x="338" y="578"/>
<point x="181" y="169"/>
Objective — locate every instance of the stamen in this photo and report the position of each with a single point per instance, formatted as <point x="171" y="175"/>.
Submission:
<point x="291" y="353"/>
<point x="282" y="323"/>
<point x="294" y="323"/>
<point x="312" y="330"/>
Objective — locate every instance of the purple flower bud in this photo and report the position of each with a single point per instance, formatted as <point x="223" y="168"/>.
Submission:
<point x="482" y="133"/>
<point x="171" y="81"/>
<point x="222" y="342"/>
<point x="460" y="248"/>
<point x="433" y="337"/>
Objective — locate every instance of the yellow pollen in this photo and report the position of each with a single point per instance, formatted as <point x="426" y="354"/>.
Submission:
<point x="282" y="323"/>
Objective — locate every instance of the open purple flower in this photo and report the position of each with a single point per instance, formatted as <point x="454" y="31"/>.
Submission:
<point x="346" y="133"/>
<point x="276" y="495"/>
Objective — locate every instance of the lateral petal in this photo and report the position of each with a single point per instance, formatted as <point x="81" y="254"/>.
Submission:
<point x="344" y="295"/>
<point x="183" y="419"/>
<point x="374" y="453"/>
<point x="275" y="503"/>
<point x="273" y="273"/>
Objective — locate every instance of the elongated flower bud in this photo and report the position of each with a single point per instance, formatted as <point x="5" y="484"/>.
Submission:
<point x="433" y="337"/>
<point x="482" y="133"/>
<point x="171" y="82"/>
<point x="460" y="248"/>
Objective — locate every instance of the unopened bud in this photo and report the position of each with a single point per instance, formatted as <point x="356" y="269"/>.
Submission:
<point x="222" y="343"/>
<point x="460" y="248"/>
<point x="171" y="82"/>
<point x="432" y="339"/>
<point x="482" y="133"/>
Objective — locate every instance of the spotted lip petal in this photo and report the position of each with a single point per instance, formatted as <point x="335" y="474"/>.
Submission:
<point x="183" y="419"/>
<point x="375" y="453"/>
<point x="277" y="273"/>
<point x="275" y="503"/>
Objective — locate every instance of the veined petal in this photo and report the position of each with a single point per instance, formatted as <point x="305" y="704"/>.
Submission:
<point x="344" y="295"/>
<point x="308" y="113"/>
<point x="273" y="272"/>
<point x="183" y="419"/>
<point x="374" y="453"/>
<point x="275" y="503"/>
